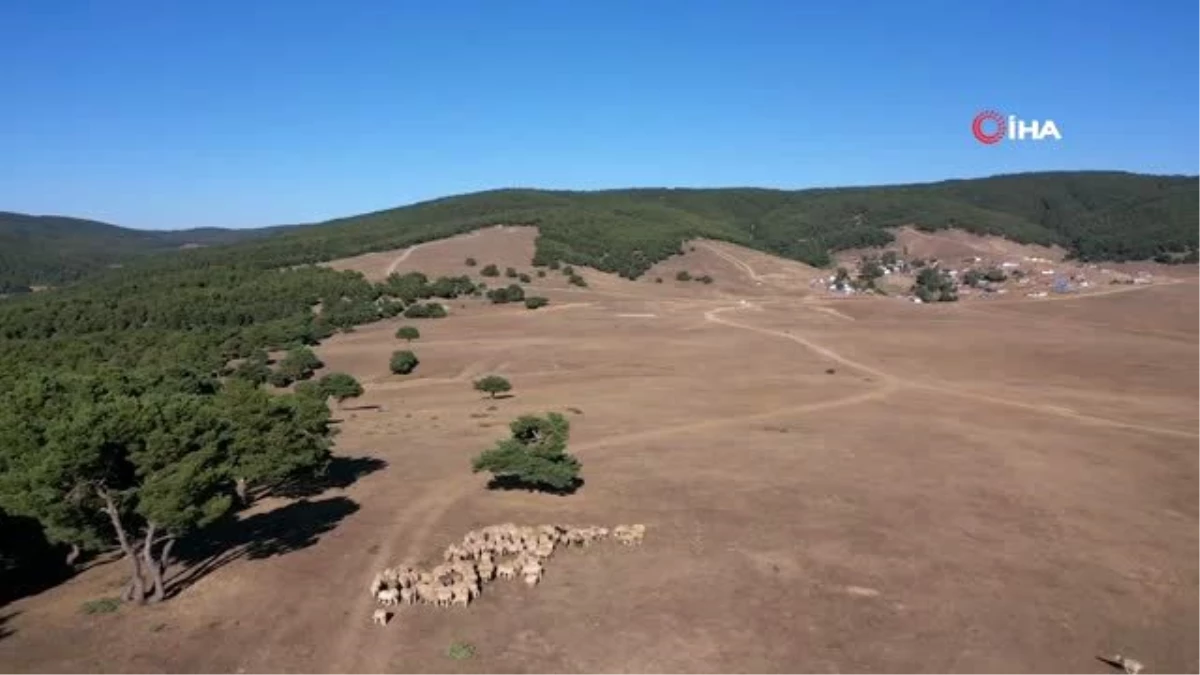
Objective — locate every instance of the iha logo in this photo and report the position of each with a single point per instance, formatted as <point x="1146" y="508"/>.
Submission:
<point x="990" y="127"/>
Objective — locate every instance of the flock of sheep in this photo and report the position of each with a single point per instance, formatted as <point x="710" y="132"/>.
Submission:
<point x="496" y="551"/>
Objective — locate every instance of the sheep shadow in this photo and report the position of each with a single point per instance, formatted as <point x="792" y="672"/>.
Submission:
<point x="341" y="473"/>
<point x="288" y="528"/>
<point x="512" y="483"/>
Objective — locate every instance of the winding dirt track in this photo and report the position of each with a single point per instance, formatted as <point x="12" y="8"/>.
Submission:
<point x="414" y="527"/>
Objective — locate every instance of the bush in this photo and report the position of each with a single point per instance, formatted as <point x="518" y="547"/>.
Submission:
<point x="534" y="457"/>
<point x="541" y="274"/>
<point x="429" y="310"/>
<point x="299" y="363"/>
<point x="995" y="275"/>
<point x="403" y="362"/>
<point x="568" y="271"/>
<point x="279" y="378"/>
<point x="524" y="278"/>
<point x="408" y="333"/>
<point x="658" y="280"/>
<point x="554" y="264"/>
<point x="340" y="386"/>
<point x="683" y="275"/>
<point x="535" y="301"/>
<point x="490" y="271"/>
<point x="934" y="285"/>
<point x="705" y="279"/>
<point x="577" y="280"/>
<point x="471" y="262"/>
<point x="492" y="385"/>
<point x="510" y="273"/>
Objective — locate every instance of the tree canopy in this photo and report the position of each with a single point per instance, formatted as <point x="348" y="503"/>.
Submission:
<point x="403" y="362"/>
<point x="534" y="456"/>
<point x="492" y="385"/>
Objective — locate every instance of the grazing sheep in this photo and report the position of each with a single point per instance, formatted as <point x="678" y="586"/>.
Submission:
<point x="506" y="570"/>
<point x="427" y="593"/>
<point x="460" y="595"/>
<point x="443" y="596"/>
<point x="376" y="585"/>
<point x="381" y="616"/>
<point x="389" y="596"/>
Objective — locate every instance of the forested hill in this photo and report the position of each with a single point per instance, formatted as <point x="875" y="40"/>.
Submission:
<point x="1097" y="215"/>
<point x="54" y="249"/>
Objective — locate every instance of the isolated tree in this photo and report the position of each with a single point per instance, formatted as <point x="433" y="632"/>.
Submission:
<point x="490" y="271"/>
<point x="340" y="386"/>
<point x="515" y="293"/>
<point x="299" y="363"/>
<point x="403" y="362"/>
<point x="534" y="456"/>
<point x="471" y="262"/>
<point x="568" y="271"/>
<point x="492" y="385"/>
<point x="535" y="301"/>
<point x="408" y="333"/>
<point x="683" y="275"/>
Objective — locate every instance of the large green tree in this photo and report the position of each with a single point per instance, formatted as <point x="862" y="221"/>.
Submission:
<point x="534" y="455"/>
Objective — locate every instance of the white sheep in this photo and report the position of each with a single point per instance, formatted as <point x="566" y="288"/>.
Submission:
<point x="381" y="616"/>
<point x="389" y="596"/>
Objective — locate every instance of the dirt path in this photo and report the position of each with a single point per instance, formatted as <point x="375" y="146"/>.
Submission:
<point x="736" y="262"/>
<point x="401" y="258"/>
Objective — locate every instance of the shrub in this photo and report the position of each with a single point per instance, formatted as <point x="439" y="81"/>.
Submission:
<point x="492" y="385"/>
<point x="995" y="275"/>
<point x="278" y="378"/>
<point x="471" y="262"/>
<point x="524" y="278"/>
<point x="534" y="457"/>
<point x="340" y="386"/>
<point x="541" y="274"/>
<point x="490" y="271"/>
<point x="429" y="310"/>
<point x="299" y="363"/>
<point x="568" y="271"/>
<point x="510" y="273"/>
<point x="403" y="362"/>
<point x="408" y="333"/>
<point x="658" y="280"/>
<point x="683" y="275"/>
<point x="705" y="279"/>
<point x="577" y="280"/>
<point x="554" y="264"/>
<point x="535" y="301"/>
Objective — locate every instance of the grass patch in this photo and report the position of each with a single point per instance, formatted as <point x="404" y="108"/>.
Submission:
<point x="460" y="651"/>
<point x="101" y="606"/>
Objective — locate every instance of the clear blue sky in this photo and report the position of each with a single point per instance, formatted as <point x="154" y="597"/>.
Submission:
<point x="220" y="113"/>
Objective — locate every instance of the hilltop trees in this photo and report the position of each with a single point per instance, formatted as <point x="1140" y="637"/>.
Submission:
<point x="403" y="362"/>
<point x="534" y="457"/>
<point x="492" y="385"/>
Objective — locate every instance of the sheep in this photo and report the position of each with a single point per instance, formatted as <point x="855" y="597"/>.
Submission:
<point x="443" y="596"/>
<point x="381" y="616"/>
<point x="376" y="585"/>
<point x="389" y="596"/>
<point x="506" y="570"/>
<point x="427" y="593"/>
<point x="460" y="595"/>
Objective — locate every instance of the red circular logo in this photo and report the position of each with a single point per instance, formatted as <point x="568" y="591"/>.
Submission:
<point x="983" y="136"/>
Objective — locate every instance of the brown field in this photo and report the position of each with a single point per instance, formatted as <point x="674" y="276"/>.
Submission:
<point x="1009" y="487"/>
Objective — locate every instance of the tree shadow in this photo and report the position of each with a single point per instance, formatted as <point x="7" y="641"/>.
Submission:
<point x="263" y="535"/>
<point x="512" y="483"/>
<point x="29" y="562"/>
<point x="365" y="406"/>
<point x="342" y="472"/>
<point x="5" y="631"/>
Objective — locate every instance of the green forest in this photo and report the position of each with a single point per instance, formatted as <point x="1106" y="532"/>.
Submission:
<point x="1096" y="215"/>
<point x="136" y="399"/>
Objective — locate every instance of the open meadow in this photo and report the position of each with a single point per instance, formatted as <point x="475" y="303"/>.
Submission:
<point x="828" y="484"/>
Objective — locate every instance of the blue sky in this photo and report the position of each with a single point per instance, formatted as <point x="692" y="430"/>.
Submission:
<point x="170" y="114"/>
